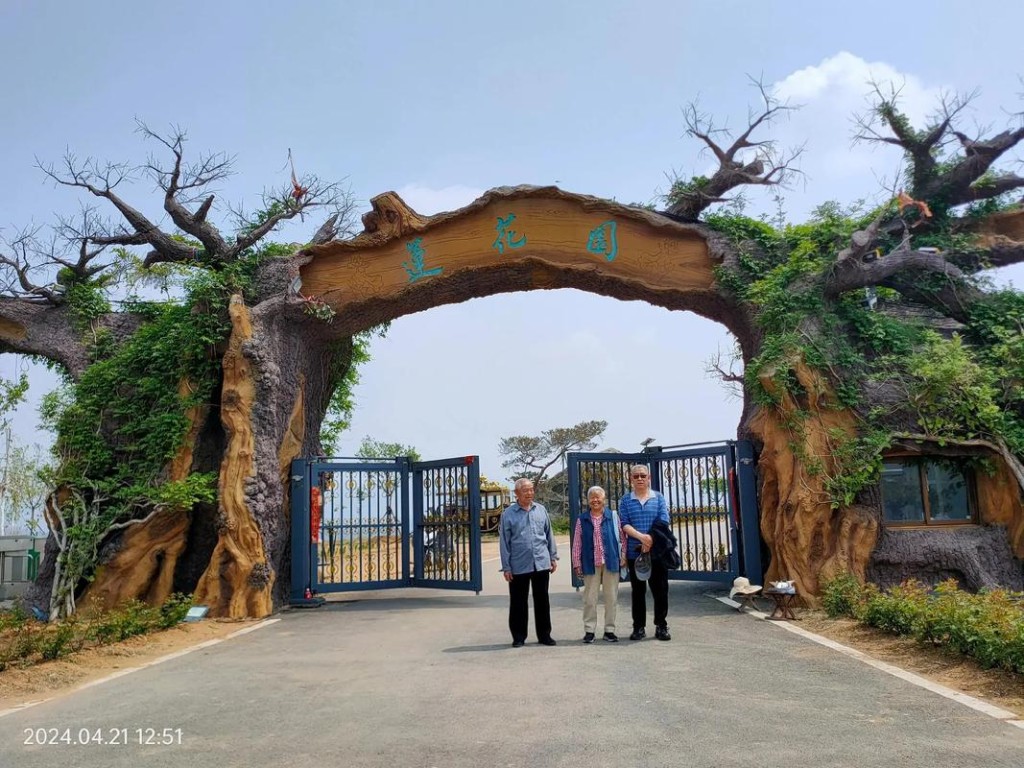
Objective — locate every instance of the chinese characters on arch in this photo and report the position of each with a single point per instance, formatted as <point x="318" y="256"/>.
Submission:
<point x="602" y="241"/>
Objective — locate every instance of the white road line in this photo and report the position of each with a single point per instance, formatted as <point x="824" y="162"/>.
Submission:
<point x="962" y="698"/>
<point x="153" y="663"/>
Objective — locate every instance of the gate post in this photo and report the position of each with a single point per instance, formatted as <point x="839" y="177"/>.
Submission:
<point x="652" y="455"/>
<point x="405" y="468"/>
<point x="573" y="478"/>
<point x="750" y="523"/>
<point x="301" y="577"/>
<point x="476" y="569"/>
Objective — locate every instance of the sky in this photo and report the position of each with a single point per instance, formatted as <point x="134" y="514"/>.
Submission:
<point x="441" y="101"/>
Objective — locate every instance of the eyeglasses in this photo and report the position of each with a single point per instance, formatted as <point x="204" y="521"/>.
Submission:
<point x="639" y="477"/>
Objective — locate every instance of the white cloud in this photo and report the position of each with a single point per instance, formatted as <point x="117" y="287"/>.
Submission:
<point x="829" y="95"/>
<point x="844" y="80"/>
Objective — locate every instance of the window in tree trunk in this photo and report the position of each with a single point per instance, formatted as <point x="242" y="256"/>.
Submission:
<point x="920" y="491"/>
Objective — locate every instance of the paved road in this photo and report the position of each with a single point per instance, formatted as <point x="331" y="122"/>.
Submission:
<point x="429" y="679"/>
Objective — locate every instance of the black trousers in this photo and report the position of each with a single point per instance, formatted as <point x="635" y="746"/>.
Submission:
<point x="519" y="609"/>
<point x="659" y="590"/>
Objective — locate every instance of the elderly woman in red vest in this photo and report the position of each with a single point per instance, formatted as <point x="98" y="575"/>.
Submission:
<point x="598" y="552"/>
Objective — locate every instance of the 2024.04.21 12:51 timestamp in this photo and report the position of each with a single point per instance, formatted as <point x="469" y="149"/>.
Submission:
<point x="111" y="737"/>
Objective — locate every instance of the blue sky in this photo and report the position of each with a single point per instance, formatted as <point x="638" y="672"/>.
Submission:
<point x="443" y="100"/>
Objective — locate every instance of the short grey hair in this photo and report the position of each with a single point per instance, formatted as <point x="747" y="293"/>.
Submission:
<point x="635" y="467"/>
<point x="521" y="482"/>
<point x="596" y="489"/>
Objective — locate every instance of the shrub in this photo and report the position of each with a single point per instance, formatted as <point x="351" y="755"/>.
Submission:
<point x="988" y="626"/>
<point x="14" y="618"/>
<point x="25" y="641"/>
<point x="132" y="618"/>
<point x="841" y="596"/>
<point x="173" y="611"/>
<point x="60" y="640"/>
<point x="897" y="610"/>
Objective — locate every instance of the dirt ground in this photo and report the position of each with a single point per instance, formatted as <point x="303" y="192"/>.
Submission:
<point x="55" y="678"/>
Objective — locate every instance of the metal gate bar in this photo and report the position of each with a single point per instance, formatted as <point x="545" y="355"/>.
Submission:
<point x="696" y="488"/>
<point x="446" y="530"/>
<point x="710" y="492"/>
<point x="348" y="525"/>
<point x="361" y="530"/>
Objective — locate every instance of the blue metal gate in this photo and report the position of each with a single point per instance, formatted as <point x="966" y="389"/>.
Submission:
<point x="711" y="498"/>
<point x="377" y="524"/>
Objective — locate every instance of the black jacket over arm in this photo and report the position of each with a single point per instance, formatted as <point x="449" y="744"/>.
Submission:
<point x="663" y="548"/>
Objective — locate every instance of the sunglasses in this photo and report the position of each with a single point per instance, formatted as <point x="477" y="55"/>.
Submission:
<point x="639" y="477"/>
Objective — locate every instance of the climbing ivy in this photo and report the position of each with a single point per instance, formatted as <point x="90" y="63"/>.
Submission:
<point x="121" y="423"/>
<point x="965" y="387"/>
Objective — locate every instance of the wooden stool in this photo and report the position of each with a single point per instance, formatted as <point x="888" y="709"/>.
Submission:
<point x="783" y="610"/>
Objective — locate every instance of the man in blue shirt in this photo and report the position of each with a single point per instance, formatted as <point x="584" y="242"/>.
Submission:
<point x="528" y="557"/>
<point x="638" y="510"/>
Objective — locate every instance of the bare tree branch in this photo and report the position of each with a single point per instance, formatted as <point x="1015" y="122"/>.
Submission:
<point x="767" y="167"/>
<point x="101" y="181"/>
<point x="968" y="179"/>
<point x="725" y="371"/>
<point x="179" y="179"/>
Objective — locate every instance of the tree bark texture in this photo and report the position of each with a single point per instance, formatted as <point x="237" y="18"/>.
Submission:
<point x="809" y="541"/>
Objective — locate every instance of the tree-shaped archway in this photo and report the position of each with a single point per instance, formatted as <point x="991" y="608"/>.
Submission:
<point x="182" y="419"/>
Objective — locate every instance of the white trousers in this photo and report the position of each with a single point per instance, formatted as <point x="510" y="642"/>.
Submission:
<point x="592" y="582"/>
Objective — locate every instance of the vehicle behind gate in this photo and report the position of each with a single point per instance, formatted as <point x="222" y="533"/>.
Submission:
<point x="377" y="524"/>
<point x="710" y="492"/>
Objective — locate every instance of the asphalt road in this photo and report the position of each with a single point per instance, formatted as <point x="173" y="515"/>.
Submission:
<point x="430" y="679"/>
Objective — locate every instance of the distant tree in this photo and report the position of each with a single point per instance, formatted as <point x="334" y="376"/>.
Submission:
<point x="377" y="449"/>
<point x="25" y="479"/>
<point x="11" y="394"/>
<point x="532" y="456"/>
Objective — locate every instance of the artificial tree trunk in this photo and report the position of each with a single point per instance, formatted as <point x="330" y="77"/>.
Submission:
<point x="810" y="541"/>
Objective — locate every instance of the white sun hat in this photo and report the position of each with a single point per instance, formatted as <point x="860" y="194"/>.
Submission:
<point x="742" y="586"/>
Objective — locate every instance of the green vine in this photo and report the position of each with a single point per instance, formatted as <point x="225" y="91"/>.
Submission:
<point x="124" y="420"/>
<point x="952" y="389"/>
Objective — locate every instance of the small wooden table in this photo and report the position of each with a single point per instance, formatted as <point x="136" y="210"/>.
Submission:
<point x="783" y="602"/>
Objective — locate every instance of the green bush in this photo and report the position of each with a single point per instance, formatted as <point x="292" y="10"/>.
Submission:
<point x="988" y="626"/>
<point x="897" y="610"/>
<point x="841" y="596"/>
<point x="173" y="611"/>
<point x="61" y="640"/>
<point x="18" y="644"/>
<point x="132" y="618"/>
<point x="13" y="618"/>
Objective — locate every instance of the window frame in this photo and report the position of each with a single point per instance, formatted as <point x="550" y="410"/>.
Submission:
<point x="920" y="463"/>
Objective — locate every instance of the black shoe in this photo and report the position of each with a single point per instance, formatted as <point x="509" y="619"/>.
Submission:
<point x="547" y="641"/>
<point x="611" y="637"/>
<point x="588" y="638"/>
<point x="518" y="643"/>
<point x="662" y="633"/>
<point x="638" y="634"/>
